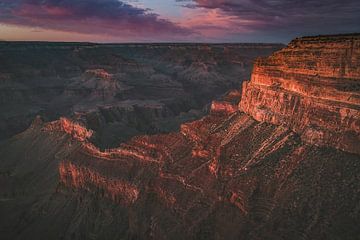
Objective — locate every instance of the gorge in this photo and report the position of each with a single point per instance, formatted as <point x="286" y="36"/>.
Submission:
<point x="277" y="159"/>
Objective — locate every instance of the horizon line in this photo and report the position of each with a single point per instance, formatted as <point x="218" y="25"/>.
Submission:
<point x="136" y="43"/>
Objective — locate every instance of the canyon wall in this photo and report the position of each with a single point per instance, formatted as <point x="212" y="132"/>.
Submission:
<point x="313" y="87"/>
<point x="270" y="171"/>
<point x="118" y="90"/>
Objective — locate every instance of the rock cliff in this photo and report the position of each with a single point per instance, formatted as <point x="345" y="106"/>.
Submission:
<point x="313" y="87"/>
<point x="288" y="167"/>
<point x="101" y="82"/>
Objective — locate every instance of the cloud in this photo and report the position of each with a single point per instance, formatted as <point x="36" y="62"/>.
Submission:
<point x="287" y="17"/>
<point x="212" y="24"/>
<point x="200" y="20"/>
<point x="109" y="17"/>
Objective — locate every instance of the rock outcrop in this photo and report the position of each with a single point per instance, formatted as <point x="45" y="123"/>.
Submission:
<point x="228" y="104"/>
<point x="313" y="87"/>
<point x="274" y="171"/>
<point x="75" y="130"/>
<point x="62" y="79"/>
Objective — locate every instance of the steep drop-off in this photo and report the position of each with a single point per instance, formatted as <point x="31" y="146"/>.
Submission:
<point x="118" y="90"/>
<point x="229" y="175"/>
<point x="316" y="84"/>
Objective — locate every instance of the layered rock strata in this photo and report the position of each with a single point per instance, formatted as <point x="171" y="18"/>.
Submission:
<point x="229" y="175"/>
<point x="228" y="104"/>
<point x="243" y="178"/>
<point x="313" y="87"/>
<point x="103" y="81"/>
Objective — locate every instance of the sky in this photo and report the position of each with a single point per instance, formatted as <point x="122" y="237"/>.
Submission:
<point x="175" y="20"/>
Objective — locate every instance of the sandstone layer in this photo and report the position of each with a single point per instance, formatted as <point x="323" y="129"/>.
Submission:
<point x="117" y="90"/>
<point x="221" y="177"/>
<point x="229" y="175"/>
<point x="313" y="87"/>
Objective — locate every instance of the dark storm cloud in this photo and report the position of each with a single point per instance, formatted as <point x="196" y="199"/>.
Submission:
<point x="287" y="17"/>
<point x="110" y="17"/>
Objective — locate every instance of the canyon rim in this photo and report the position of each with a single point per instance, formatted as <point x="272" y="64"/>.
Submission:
<point x="274" y="157"/>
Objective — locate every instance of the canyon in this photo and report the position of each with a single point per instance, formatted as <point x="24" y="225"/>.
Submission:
<point x="318" y="93"/>
<point x="118" y="90"/>
<point x="278" y="158"/>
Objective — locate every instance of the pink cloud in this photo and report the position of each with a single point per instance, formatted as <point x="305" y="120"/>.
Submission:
<point x="107" y="17"/>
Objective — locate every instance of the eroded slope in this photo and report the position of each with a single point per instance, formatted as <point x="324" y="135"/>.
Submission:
<point x="229" y="175"/>
<point x="313" y="87"/>
<point x="117" y="90"/>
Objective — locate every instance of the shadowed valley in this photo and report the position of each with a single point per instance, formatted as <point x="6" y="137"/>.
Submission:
<point x="277" y="158"/>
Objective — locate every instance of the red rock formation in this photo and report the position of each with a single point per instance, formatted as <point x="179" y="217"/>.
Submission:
<point x="112" y="85"/>
<point x="225" y="176"/>
<point x="312" y="86"/>
<point x="207" y="146"/>
<point x="223" y="107"/>
<point x="100" y="73"/>
<point x="83" y="178"/>
<point x="77" y="131"/>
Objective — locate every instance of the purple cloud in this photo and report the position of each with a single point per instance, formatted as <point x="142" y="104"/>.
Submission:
<point x="288" y="18"/>
<point x="111" y="17"/>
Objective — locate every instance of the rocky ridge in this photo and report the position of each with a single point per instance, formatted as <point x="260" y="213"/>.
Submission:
<point x="248" y="174"/>
<point x="313" y="87"/>
<point x="113" y="88"/>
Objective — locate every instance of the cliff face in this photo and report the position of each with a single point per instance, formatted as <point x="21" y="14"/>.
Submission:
<point x="227" y="104"/>
<point x="313" y="87"/>
<point x="221" y="177"/>
<point x="114" y="87"/>
<point x="274" y="171"/>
